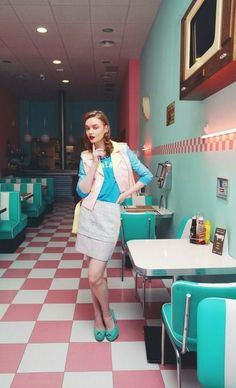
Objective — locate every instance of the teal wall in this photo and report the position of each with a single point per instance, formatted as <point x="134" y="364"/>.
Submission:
<point x="194" y="174"/>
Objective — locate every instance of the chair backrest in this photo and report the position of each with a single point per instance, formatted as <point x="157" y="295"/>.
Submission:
<point x="216" y="342"/>
<point x="11" y="201"/>
<point x="197" y="292"/>
<point x="139" y="200"/>
<point x="136" y="226"/>
<point x="184" y="228"/>
<point x="34" y="188"/>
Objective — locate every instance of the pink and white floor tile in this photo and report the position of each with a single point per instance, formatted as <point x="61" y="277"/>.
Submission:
<point x="46" y="318"/>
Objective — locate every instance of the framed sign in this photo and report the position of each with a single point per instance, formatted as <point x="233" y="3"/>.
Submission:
<point x="170" y="113"/>
<point x="222" y="188"/>
<point x="219" y="240"/>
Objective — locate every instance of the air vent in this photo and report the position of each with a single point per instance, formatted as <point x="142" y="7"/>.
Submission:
<point x="109" y="85"/>
<point x="22" y="77"/>
<point x="112" y="69"/>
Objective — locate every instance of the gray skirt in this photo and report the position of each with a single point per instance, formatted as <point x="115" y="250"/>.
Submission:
<point x="98" y="230"/>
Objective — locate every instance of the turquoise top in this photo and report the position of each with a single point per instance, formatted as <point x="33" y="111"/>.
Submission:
<point x="110" y="190"/>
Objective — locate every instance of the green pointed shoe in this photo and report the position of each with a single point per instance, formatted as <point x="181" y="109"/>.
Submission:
<point x="99" y="335"/>
<point x="112" y="334"/>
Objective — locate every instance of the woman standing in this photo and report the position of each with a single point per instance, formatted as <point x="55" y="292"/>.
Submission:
<point x="105" y="180"/>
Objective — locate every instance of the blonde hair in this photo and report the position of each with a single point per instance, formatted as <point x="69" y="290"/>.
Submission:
<point x="107" y="136"/>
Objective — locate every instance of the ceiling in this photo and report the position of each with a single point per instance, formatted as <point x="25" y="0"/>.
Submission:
<point x="74" y="35"/>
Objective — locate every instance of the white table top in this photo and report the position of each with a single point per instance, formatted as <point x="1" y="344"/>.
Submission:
<point x="167" y="257"/>
<point x="159" y="211"/>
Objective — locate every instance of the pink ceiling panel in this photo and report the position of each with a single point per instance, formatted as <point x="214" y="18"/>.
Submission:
<point x="69" y="2"/>
<point x="68" y="29"/>
<point x="108" y="13"/>
<point x="99" y="3"/>
<point x="34" y="13"/>
<point x="74" y="32"/>
<point x="12" y="41"/>
<point x="71" y="14"/>
<point x="140" y="14"/>
<point x="29" y="2"/>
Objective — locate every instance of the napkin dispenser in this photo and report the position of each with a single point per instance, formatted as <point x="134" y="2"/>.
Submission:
<point x="164" y="175"/>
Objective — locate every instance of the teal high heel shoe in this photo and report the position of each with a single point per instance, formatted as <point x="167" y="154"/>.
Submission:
<point x="112" y="334"/>
<point x="99" y="335"/>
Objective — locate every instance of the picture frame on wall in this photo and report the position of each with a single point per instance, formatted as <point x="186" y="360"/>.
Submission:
<point x="170" y="113"/>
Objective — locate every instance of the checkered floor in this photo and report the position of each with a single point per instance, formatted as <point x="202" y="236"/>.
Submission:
<point x="46" y="319"/>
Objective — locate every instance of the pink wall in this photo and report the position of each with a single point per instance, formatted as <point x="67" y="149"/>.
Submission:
<point x="9" y="124"/>
<point x="130" y="106"/>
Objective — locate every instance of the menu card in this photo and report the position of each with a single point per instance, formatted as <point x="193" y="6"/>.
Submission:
<point x="218" y="243"/>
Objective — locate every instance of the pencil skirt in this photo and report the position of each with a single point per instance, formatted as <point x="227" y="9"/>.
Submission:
<point x="98" y="230"/>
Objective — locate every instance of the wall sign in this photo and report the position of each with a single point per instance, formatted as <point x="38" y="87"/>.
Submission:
<point x="222" y="188"/>
<point x="170" y="114"/>
<point x="219" y="239"/>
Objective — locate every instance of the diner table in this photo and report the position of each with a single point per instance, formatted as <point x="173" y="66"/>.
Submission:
<point x="160" y="212"/>
<point x="174" y="257"/>
<point x="25" y="196"/>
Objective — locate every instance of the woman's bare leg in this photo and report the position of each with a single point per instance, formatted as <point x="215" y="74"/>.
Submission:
<point x="99" y="290"/>
<point x="98" y="318"/>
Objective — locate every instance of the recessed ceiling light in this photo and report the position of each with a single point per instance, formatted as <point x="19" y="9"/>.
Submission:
<point x="107" y="29"/>
<point x="107" y="43"/>
<point x="42" y="30"/>
<point x="56" y="62"/>
<point x="65" y="81"/>
<point x="59" y="69"/>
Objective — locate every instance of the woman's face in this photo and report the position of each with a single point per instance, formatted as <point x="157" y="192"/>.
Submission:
<point x="95" y="130"/>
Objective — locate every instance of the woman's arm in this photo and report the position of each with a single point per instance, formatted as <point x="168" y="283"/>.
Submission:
<point x="138" y="186"/>
<point x="145" y="176"/>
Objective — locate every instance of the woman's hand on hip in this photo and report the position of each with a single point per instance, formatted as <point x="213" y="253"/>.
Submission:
<point x="121" y="197"/>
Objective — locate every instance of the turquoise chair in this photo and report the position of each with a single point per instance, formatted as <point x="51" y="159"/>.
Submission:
<point x="184" y="228"/>
<point x="136" y="226"/>
<point x="12" y="222"/>
<point x="216" y="343"/>
<point x="179" y="317"/>
<point x="147" y="199"/>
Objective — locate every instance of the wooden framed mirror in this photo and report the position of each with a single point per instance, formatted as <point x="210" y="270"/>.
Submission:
<point x="208" y="48"/>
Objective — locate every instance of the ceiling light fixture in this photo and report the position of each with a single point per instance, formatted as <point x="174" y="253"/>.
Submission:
<point x="107" y="29"/>
<point x="65" y="81"/>
<point x="56" y="62"/>
<point x="107" y="43"/>
<point x="42" y="30"/>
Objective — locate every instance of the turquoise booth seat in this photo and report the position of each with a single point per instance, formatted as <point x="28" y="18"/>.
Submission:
<point x="47" y="190"/>
<point x="47" y="187"/>
<point x="216" y="343"/>
<point x="179" y="317"/>
<point x="34" y="207"/>
<point x="12" y="222"/>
